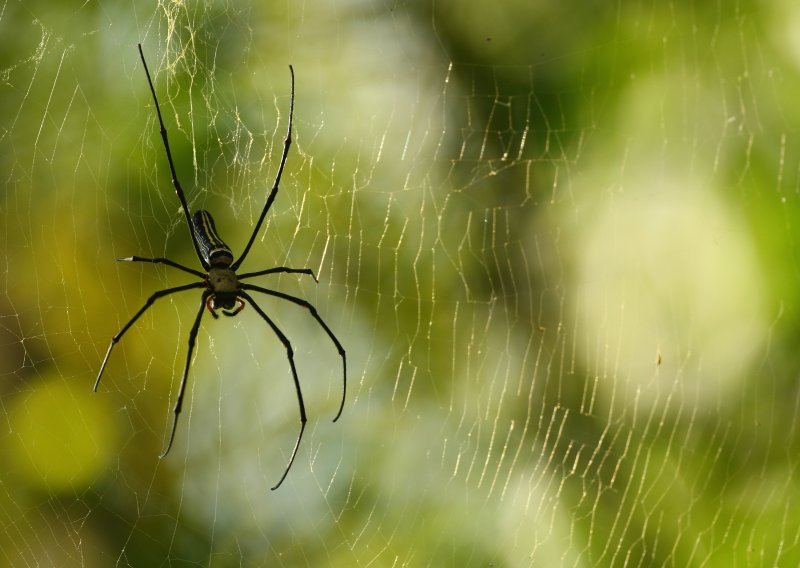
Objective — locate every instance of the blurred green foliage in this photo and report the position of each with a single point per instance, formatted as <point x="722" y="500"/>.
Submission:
<point x="556" y="239"/>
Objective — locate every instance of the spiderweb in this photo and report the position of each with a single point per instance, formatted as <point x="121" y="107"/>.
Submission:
<point x="555" y="239"/>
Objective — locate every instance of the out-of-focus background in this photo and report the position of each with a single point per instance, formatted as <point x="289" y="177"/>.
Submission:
<point x="558" y="241"/>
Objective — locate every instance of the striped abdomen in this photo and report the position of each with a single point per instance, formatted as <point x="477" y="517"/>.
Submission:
<point x="214" y="250"/>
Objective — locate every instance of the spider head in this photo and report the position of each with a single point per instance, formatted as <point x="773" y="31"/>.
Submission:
<point x="224" y="288"/>
<point x="230" y="304"/>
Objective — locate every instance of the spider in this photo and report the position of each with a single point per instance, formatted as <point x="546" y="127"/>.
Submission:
<point x="222" y="287"/>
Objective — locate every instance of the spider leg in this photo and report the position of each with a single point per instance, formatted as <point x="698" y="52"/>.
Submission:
<point x="175" y="182"/>
<point x="161" y="260"/>
<point x="277" y="269"/>
<point x="143" y="309"/>
<point x="179" y="401"/>
<point x="286" y="143"/>
<point x="313" y="310"/>
<point x="290" y="356"/>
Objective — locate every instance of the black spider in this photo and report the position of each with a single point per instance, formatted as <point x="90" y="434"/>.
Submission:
<point x="223" y="289"/>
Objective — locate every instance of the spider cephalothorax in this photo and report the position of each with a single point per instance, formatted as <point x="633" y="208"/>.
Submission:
<point x="222" y="287"/>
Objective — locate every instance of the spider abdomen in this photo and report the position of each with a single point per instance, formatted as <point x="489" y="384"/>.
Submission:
<point x="213" y="249"/>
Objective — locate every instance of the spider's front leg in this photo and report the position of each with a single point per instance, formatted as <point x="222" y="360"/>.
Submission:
<point x="313" y="311"/>
<point x="290" y="355"/>
<point x="179" y="401"/>
<point x="143" y="309"/>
